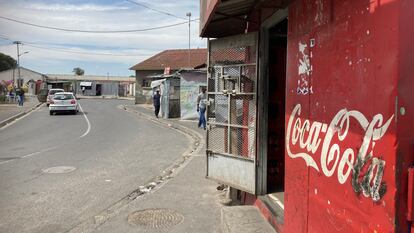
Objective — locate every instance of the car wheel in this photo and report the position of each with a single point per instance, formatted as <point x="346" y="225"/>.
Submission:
<point x="74" y="112"/>
<point x="51" y="113"/>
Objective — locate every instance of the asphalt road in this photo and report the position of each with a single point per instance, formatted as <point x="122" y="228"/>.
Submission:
<point x="112" y="155"/>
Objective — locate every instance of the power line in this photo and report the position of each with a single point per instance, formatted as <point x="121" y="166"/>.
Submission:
<point x="93" y="31"/>
<point x="39" y="46"/>
<point x="154" y="9"/>
<point x="83" y="53"/>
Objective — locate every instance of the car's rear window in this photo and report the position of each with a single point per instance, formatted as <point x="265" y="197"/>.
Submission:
<point x="52" y="92"/>
<point x="63" y="97"/>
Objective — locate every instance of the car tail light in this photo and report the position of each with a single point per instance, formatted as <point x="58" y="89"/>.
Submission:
<point x="73" y="102"/>
<point x="52" y="102"/>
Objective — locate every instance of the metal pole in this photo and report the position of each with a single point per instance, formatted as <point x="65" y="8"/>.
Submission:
<point x="18" y="63"/>
<point x="189" y="39"/>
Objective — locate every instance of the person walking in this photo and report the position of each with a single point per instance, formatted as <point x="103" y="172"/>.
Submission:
<point x="21" y="97"/>
<point x="201" y="108"/>
<point x="157" y="102"/>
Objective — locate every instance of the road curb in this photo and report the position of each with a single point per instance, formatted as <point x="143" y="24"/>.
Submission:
<point x="170" y="124"/>
<point x="19" y="115"/>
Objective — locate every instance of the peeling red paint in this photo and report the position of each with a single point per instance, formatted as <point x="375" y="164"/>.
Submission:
<point x="355" y="58"/>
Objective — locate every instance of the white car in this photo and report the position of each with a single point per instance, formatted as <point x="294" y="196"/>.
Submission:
<point x="51" y="93"/>
<point x="63" y="102"/>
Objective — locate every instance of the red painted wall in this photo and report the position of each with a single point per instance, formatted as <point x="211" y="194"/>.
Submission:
<point x="341" y="129"/>
<point x="405" y="149"/>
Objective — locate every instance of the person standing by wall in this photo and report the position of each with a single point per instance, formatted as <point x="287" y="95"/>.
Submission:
<point x="201" y="108"/>
<point x="157" y="102"/>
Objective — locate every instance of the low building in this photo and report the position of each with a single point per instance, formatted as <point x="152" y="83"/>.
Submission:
<point x="93" y="85"/>
<point x="165" y="62"/>
<point x="191" y="83"/>
<point x="179" y="92"/>
<point x="30" y="79"/>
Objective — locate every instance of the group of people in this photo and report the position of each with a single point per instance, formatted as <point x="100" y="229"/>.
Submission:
<point x="201" y="106"/>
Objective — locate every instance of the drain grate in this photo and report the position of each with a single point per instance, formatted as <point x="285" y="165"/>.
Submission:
<point x="59" y="169"/>
<point x="155" y="218"/>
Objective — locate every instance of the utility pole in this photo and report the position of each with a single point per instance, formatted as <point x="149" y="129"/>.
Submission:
<point x="18" y="62"/>
<point x="19" y="79"/>
<point x="189" y="39"/>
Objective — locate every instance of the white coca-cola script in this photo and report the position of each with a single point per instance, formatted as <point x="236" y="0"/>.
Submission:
<point x="333" y="159"/>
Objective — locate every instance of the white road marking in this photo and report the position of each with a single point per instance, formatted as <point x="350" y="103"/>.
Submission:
<point x="51" y="148"/>
<point x="87" y="121"/>
<point x="29" y="155"/>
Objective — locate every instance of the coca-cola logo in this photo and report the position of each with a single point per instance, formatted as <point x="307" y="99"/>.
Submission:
<point x="366" y="170"/>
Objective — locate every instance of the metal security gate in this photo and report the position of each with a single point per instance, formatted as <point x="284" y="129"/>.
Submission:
<point x="231" y="111"/>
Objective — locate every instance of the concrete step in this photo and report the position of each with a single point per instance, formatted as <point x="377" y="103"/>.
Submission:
<point x="246" y="219"/>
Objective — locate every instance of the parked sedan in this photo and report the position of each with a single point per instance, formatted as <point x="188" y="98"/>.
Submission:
<point x="52" y="93"/>
<point x="63" y="102"/>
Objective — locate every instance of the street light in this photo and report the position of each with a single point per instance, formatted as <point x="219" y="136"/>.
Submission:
<point x="24" y="53"/>
<point x="189" y="41"/>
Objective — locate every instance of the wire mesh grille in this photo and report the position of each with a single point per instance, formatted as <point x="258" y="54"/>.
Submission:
<point x="217" y="139"/>
<point x="243" y="110"/>
<point x="218" y="108"/>
<point x="230" y="56"/>
<point x="242" y="142"/>
<point x="231" y="114"/>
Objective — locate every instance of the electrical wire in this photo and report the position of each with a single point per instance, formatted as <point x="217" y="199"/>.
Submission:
<point x="93" y="31"/>
<point x="84" y="53"/>
<point x="154" y="9"/>
<point x="39" y="46"/>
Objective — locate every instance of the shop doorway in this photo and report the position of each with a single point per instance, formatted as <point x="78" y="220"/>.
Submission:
<point x="98" y="89"/>
<point x="276" y="109"/>
<point x="271" y="134"/>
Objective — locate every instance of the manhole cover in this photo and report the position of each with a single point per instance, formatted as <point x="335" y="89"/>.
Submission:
<point x="155" y="218"/>
<point x="59" y="169"/>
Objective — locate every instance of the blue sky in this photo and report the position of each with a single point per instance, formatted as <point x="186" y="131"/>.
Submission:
<point x="48" y="48"/>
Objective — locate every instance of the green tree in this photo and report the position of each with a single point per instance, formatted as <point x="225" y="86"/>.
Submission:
<point x="7" y="62"/>
<point x="78" y="71"/>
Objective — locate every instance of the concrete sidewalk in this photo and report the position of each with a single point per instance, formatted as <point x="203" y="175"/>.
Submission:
<point x="203" y="207"/>
<point x="9" y="112"/>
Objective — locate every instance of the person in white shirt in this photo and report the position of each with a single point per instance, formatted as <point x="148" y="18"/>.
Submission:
<point x="201" y="108"/>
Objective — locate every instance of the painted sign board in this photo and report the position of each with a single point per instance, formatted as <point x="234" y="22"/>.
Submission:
<point x="342" y="150"/>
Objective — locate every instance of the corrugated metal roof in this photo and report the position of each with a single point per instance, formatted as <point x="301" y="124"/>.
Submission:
<point x="175" y="59"/>
<point x="230" y="17"/>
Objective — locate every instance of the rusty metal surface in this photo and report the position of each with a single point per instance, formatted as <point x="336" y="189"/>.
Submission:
<point x="225" y="18"/>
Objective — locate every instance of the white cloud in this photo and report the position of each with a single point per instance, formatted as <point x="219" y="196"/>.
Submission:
<point x="118" y="15"/>
<point x="72" y="7"/>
